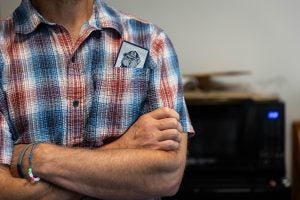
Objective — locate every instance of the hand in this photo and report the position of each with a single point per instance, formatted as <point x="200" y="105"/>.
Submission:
<point x="159" y="130"/>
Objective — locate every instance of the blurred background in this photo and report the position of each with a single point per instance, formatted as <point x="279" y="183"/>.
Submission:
<point x="262" y="37"/>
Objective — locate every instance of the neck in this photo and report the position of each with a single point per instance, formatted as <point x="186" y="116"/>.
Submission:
<point x="69" y="13"/>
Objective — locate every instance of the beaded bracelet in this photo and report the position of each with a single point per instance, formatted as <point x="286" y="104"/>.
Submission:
<point x="20" y="160"/>
<point x="32" y="179"/>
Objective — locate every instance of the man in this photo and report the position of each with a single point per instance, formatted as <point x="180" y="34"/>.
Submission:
<point x="96" y="129"/>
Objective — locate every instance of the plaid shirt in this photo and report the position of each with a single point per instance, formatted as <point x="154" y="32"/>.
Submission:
<point x="71" y="94"/>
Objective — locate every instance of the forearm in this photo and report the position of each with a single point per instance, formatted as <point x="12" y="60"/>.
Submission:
<point x="20" y="189"/>
<point x="111" y="173"/>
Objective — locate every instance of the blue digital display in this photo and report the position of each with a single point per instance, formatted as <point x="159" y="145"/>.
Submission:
<point x="273" y="115"/>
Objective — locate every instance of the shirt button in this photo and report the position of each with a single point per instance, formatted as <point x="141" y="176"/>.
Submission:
<point x="73" y="59"/>
<point x="75" y="103"/>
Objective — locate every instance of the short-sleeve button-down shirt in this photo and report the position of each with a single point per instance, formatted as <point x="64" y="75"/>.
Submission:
<point x="72" y="94"/>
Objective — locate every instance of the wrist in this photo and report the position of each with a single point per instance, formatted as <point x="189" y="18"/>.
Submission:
<point x="40" y="155"/>
<point x="21" y="161"/>
<point x="22" y="165"/>
<point x="119" y="143"/>
<point x="25" y="163"/>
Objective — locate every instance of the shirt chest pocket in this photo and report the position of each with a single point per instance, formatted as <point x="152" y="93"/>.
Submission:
<point x="122" y="85"/>
<point x="118" y="100"/>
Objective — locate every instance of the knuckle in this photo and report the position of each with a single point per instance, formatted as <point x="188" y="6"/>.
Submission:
<point x="180" y="128"/>
<point x="174" y="132"/>
<point x="173" y="122"/>
<point x="166" y="109"/>
<point x="178" y="137"/>
<point x="170" y="112"/>
<point x="171" y="144"/>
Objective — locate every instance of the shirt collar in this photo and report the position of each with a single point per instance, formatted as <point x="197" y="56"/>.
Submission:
<point x="105" y="17"/>
<point x="27" y="18"/>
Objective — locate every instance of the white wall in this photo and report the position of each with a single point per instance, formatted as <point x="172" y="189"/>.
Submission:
<point x="7" y="6"/>
<point x="212" y="35"/>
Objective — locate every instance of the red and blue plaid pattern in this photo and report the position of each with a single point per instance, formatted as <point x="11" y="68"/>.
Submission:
<point x="71" y="94"/>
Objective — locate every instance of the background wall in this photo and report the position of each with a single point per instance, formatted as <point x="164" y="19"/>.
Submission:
<point x="7" y="6"/>
<point x="216" y="35"/>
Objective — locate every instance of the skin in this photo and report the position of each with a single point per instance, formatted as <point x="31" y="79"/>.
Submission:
<point x="154" y="154"/>
<point x="147" y="161"/>
<point x="71" y="14"/>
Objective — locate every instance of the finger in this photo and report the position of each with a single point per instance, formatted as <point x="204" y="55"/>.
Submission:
<point x="180" y="128"/>
<point x="168" y="123"/>
<point x="170" y="134"/>
<point x="164" y="112"/>
<point x="169" y="145"/>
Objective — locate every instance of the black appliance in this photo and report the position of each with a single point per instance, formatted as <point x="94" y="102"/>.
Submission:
<point x="237" y="152"/>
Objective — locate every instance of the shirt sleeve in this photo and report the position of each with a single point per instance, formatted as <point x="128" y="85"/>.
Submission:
<point x="165" y="86"/>
<point x="6" y="142"/>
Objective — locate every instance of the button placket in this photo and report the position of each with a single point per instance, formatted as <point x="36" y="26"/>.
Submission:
<point x="76" y="93"/>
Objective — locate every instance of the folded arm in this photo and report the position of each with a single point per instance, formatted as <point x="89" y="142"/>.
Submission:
<point x="113" y="173"/>
<point x="147" y="161"/>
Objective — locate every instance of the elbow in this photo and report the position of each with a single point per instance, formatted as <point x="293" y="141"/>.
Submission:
<point x="171" y="187"/>
<point x="169" y="173"/>
<point x="168" y="183"/>
<point x="172" y="181"/>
